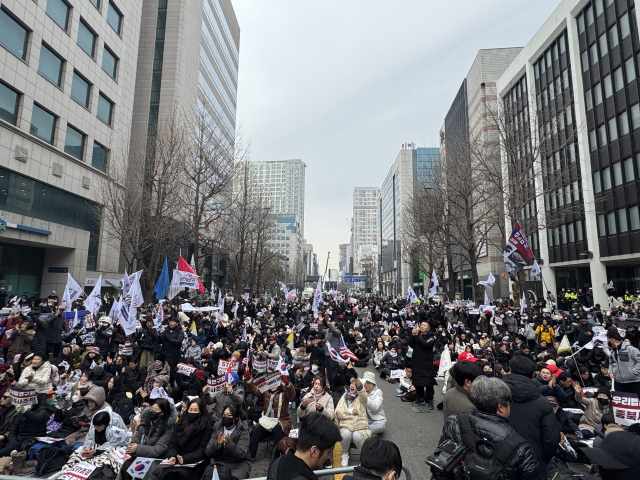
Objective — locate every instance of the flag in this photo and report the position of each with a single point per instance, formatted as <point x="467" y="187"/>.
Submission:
<point x="317" y="298"/>
<point x="345" y="352"/>
<point x="284" y="289"/>
<point x="433" y="285"/>
<point x="445" y="362"/>
<point x="75" y="320"/>
<point x="450" y="328"/>
<point x="183" y="266"/>
<point x="3" y="223"/>
<point x="72" y="292"/>
<point x="245" y="338"/>
<point x="94" y="301"/>
<point x="159" y="317"/>
<point x="290" y="341"/>
<point x="192" y="328"/>
<point x="235" y="310"/>
<point x="163" y="285"/>
<point x="523" y="303"/>
<point x="535" y="270"/>
<point x="220" y="300"/>
<point x="129" y="293"/>
<point x="518" y="253"/>
<point x="490" y="281"/>
<point x="129" y="314"/>
<point x="564" y="345"/>
<point x="215" y="473"/>
<point x="334" y="355"/>
<point x="182" y="280"/>
<point x="115" y="311"/>
<point x="486" y="299"/>
<point x="282" y="368"/>
<point x="193" y="263"/>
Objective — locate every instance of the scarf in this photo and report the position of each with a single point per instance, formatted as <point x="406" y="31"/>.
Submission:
<point x="351" y="396"/>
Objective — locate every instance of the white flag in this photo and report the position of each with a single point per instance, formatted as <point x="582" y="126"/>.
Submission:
<point x="284" y="289"/>
<point x="94" y="301"/>
<point x="75" y="320"/>
<point x="523" y="303"/>
<point x="193" y="262"/>
<point x="486" y="299"/>
<point x="128" y="314"/>
<point x="433" y="286"/>
<point x="317" y="298"/>
<point x="490" y="281"/>
<point x="215" y="473"/>
<point x="220" y="300"/>
<point x="235" y="310"/>
<point x="445" y="362"/>
<point x="72" y="292"/>
<point x="535" y="270"/>
<point x="411" y="295"/>
<point x="182" y="280"/>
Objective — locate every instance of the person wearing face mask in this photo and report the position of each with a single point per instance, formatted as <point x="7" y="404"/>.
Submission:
<point x="595" y="408"/>
<point x="232" y="395"/>
<point x="76" y="420"/>
<point x="616" y="457"/>
<point x="379" y="459"/>
<point x="624" y="363"/>
<point x="188" y="443"/>
<point x="229" y="446"/>
<point x="158" y="371"/>
<point x="152" y="437"/>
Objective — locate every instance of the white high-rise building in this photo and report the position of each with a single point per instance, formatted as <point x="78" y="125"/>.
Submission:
<point x="365" y="223"/>
<point x="282" y="181"/>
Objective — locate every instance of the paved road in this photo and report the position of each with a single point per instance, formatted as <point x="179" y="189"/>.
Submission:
<point x="416" y="434"/>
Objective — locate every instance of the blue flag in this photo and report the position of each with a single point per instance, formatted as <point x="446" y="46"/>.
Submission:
<point x="162" y="287"/>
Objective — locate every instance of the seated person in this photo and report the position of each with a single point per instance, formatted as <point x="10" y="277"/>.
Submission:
<point x="391" y="361"/>
<point x="76" y="421"/>
<point x="28" y="425"/>
<point x="36" y="376"/>
<point x="351" y="418"/>
<point x="375" y="413"/>
<point x="595" y="408"/>
<point x="232" y="395"/>
<point x="567" y="425"/>
<point x="406" y="384"/>
<point x="229" y="444"/>
<point x="317" y="400"/>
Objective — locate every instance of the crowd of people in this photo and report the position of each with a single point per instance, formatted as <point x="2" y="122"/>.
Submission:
<point x="504" y="372"/>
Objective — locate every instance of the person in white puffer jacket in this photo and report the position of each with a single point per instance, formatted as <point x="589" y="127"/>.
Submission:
<point x="36" y="376"/>
<point x="375" y="412"/>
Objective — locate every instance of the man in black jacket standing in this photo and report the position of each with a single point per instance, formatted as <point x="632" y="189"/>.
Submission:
<point x="531" y="414"/>
<point x="148" y="341"/>
<point x="423" y="376"/>
<point x="172" y="344"/>
<point x="55" y="327"/>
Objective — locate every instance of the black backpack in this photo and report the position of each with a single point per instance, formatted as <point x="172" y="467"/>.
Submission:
<point x="51" y="460"/>
<point x="477" y="467"/>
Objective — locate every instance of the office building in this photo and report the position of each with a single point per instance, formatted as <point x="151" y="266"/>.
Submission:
<point x="282" y="184"/>
<point x="577" y="79"/>
<point x="401" y="183"/>
<point x="343" y="261"/>
<point x="365" y="224"/>
<point x="67" y="77"/>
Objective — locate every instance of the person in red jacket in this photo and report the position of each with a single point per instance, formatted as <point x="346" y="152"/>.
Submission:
<point x="9" y="323"/>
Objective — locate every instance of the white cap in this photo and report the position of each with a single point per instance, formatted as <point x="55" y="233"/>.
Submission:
<point x="370" y="377"/>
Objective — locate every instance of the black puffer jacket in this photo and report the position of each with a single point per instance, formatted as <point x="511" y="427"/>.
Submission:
<point x="532" y="417"/>
<point x="422" y="359"/>
<point x="30" y="424"/>
<point x="172" y="344"/>
<point x="523" y="464"/>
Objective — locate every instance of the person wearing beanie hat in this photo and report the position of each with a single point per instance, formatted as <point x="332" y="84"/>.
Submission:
<point x="624" y="363"/>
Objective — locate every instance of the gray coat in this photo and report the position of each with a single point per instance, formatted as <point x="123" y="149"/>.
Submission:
<point x="331" y="335"/>
<point x="625" y="363"/>
<point x="55" y="327"/>
<point x="237" y="450"/>
<point x="154" y="445"/>
<point x="222" y="400"/>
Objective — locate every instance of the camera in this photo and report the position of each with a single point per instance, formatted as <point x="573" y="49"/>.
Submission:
<point x="446" y="460"/>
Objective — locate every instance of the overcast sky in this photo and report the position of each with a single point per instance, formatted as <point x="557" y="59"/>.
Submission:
<point x="341" y="84"/>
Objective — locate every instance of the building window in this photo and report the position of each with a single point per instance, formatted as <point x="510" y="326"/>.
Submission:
<point x="114" y="17"/>
<point x="602" y="231"/>
<point x="613" y="36"/>
<point x="597" y="94"/>
<point x="550" y="237"/>
<point x="625" y="29"/>
<point x="634" y="219"/>
<point x="80" y="90"/>
<point x="74" y="143"/>
<point x="585" y="61"/>
<point x="630" y="68"/>
<point x="579" y="234"/>
<point x="635" y="116"/>
<point x="613" y="129"/>
<point x="588" y="100"/>
<point x="599" y="7"/>
<point x="572" y="237"/>
<point x="606" y="179"/>
<point x="13" y="36"/>
<point x="603" y="45"/>
<point x="86" y="38"/>
<point x="105" y="109"/>
<point x="59" y="12"/>
<point x="576" y="191"/>
<point x="96" y="3"/>
<point x="608" y="88"/>
<point x="563" y="234"/>
<point x="99" y="157"/>
<point x="622" y="220"/>
<point x="628" y="170"/>
<point x="50" y="65"/>
<point x="589" y="16"/>
<point x="9" y="103"/>
<point x="593" y="142"/>
<point x="617" y="174"/>
<point x="611" y="223"/>
<point x="624" y="123"/>
<point x="43" y="124"/>
<point x="581" y="24"/>
<point x="593" y="54"/>
<point x="618" y="79"/>
<point x="602" y="136"/>
<point x="109" y="62"/>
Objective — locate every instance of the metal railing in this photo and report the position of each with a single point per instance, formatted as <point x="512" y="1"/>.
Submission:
<point x="332" y="471"/>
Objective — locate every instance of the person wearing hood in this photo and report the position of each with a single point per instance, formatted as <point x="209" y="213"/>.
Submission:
<point x="37" y="376"/>
<point x="92" y="402"/>
<point x="28" y="425"/>
<point x="531" y="414"/>
<point x="101" y="377"/>
<point x="595" y="408"/>
<point x="233" y="395"/>
<point x="100" y="441"/>
<point x="157" y="376"/>
<point x="375" y="413"/>
<point x="229" y="445"/>
<point x="152" y="437"/>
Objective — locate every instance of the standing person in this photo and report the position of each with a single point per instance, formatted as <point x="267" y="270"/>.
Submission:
<point x="55" y="327"/>
<point x="332" y="336"/>
<point x="148" y="341"/>
<point x="172" y="344"/>
<point x="422" y="341"/>
<point x="532" y="416"/>
<point x="624" y="363"/>
<point x="316" y="438"/>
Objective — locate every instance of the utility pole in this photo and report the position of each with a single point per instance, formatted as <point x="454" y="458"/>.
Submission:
<point x="326" y="268"/>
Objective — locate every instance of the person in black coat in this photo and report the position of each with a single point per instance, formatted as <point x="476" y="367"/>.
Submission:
<point x="55" y="328"/>
<point x="39" y="341"/>
<point x="172" y="344"/>
<point x="531" y="414"/>
<point x="138" y="371"/>
<point x="423" y="374"/>
<point x="28" y="425"/>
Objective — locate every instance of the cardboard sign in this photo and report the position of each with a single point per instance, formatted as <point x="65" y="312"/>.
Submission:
<point x="224" y="365"/>
<point x="293" y="433"/>
<point x="260" y="364"/>
<point x="80" y="471"/>
<point x="300" y="326"/>
<point x="216" y="385"/>
<point x="396" y="373"/>
<point x="272" y="365"/>
<point x="626" y="407"/>
<point x="185" y="369"/>
<point x="125" y="350"/>
<point x="118" y="455"/>
<point x="313" y="326"/>
<point x="140" y="467"/>
<point x="23" y="397"/>
<point x="268" y="381"/>
<point x="575" y="411"/>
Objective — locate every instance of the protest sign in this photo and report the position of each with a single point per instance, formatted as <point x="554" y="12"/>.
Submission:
<point x="49" y="440"/>
<point x="22" y="397"/>
<point x="497" y="320"/>
<point x="260" y="364"/>
<point x="121" y="434"/>
<point x="272" y="365"/>
<point x="118" y="455"/>
<point x="313" y="326"/>
<point x="125" y="349"/>
<point x="626" y="407"/>
<point x="159" y="392"/>
<point x="216" y="384"/>
<point x="267" y="381"/>
<point x="185" y="369"/>
<point x="211" y="346"/>
<point x="89" y="338"/>
<point x="293" y="433"/>
<point x="140" y="467"/>
<point x="575" y="411"/>
<point x="80" y="471"/>
<point x="396" y="373"/>
<point x="300" y="326"/>
<point x="63" y="389"/>
<point x="165" y="463"/>
<point x="224" y="365"/>
<point x="88" y="321"/>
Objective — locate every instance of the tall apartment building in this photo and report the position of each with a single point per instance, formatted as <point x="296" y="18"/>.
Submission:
<point x="409" y="171"/>
<point x="576" y="82"/>
<point x="282" y="182"/>
<point x="67" y="77"/>
<point x="467" y="118"/>
<point x="365" y="224"/>
<point x="344" y="257"/>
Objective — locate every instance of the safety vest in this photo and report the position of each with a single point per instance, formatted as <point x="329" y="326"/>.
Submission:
<point x="629" y="298"/>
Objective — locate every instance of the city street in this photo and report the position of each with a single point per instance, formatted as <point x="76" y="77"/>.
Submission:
<point x="416" y="434"/>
